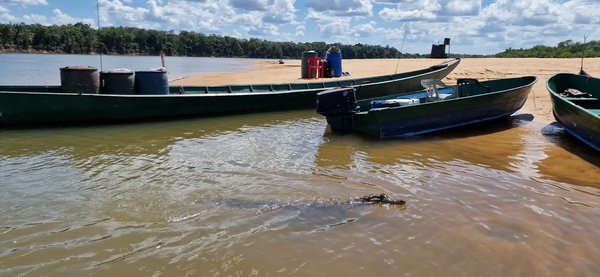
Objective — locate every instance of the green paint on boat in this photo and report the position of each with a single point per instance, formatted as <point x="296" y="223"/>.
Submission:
<point x="48" y="105"/>
<point x="576" y="105"/>
<point x="423" y="111"/>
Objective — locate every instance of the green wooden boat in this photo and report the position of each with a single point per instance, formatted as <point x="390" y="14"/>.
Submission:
<point x="576" y="105"/>
<point x="436" y="108"/>
<point x="47" y="105"/>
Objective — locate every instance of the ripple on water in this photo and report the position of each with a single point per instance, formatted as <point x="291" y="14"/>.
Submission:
<point x="224" y="196"/>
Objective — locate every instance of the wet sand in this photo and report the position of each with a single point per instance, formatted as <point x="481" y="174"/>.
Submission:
<point x="538" y="104"/>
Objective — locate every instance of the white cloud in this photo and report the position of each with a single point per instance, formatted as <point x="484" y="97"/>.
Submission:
<point x="462" y="7"/>
<point x="27" y="2"/>
<point x="523" y="13"/>
<point x="5" y="12"/>
<point x="7" y="18"/>
<point x="409" y="15"/>
<point x="281" y="12"/>
<point x="412" y="11"/>
<point x="494" y="28"/>
<point x="60" y="18"/>
<point x="252" y="5"/>
<point x="428" y="9"/>
<point x="250" y="17"/>
<point x="35" y="18"/>
<point x="300" y="31"/>
<point x="342" y="7"/>
<point x="473" y="26"/>
<point x="114" y="12"/>
<point x="335" y="28"/>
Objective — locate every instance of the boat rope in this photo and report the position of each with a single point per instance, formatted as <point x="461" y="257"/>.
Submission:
<point x="401" y="47"/>
<point x="581" y="71"/>
<point x="98" y="18"/>
<point x="533" y="93"/>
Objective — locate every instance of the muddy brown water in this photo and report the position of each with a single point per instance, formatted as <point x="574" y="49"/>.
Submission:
<point x="267" y="195"/>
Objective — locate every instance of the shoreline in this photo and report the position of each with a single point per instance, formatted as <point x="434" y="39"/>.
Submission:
<point x="538" y="103"/>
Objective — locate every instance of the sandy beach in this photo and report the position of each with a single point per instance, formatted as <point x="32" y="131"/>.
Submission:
<point x="538" y="104"/>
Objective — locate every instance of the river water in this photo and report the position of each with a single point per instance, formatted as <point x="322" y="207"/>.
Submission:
<point x="271" y="194"/>
<point x="40" y="69"/>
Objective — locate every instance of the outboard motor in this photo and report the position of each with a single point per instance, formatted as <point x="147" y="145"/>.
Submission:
<point x="337" y="106"/>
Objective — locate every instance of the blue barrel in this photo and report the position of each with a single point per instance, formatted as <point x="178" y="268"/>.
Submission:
<point x="151" y="82"/>
<point x="334" y="62"/>
<point x="118" y="81"/>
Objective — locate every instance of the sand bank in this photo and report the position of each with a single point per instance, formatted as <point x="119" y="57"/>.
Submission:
<point x="538" y="103"/>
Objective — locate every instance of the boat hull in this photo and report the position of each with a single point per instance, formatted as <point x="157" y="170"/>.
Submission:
<point x="44" y="108"/>
<point x="444" y="114"/>
<point x="21" y="106"/>
<point x="580" y="117"/>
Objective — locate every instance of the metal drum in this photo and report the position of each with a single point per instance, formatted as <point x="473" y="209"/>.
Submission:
<point x="304" y="62"/>
<point x="80" y="79"/>
<point x="118" y="81"/>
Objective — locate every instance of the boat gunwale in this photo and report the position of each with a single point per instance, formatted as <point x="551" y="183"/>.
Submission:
<point x="574" y="131"/>
<point x="439" y="67"/>
<point x="58" y="107"/>
<point x="566" y="100"/>
<point x="205" y="90"/>
<point x="382" y="115"/>
<point x="223" y="94"/>
<point x="535" y="79"/>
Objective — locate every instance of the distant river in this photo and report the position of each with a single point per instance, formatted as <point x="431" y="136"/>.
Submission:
<point x="43" y="69"/>
<point x="270" y="194"/>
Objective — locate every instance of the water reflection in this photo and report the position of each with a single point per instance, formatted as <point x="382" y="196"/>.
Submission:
<point x="224" y="196"/>
<point x="494" y="146"/>
<point x="97" y="167"/>
<point x="142" y="138"/>
<point x="561" y="153"/>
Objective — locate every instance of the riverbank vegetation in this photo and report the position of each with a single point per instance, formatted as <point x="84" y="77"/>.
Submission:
<point x="565" y="49"/>
<point x="83" y="39"/>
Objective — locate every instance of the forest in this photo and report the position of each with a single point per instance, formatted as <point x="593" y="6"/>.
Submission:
<point x="565" y="49"/>
<point x="83" y="39"/>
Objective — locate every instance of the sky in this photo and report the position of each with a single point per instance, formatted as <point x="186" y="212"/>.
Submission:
<point x="411" y="26"/>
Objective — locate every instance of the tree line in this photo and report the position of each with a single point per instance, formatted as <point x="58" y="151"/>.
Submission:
<point x="565" y="49"/>
<point x="81" y="38"/>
